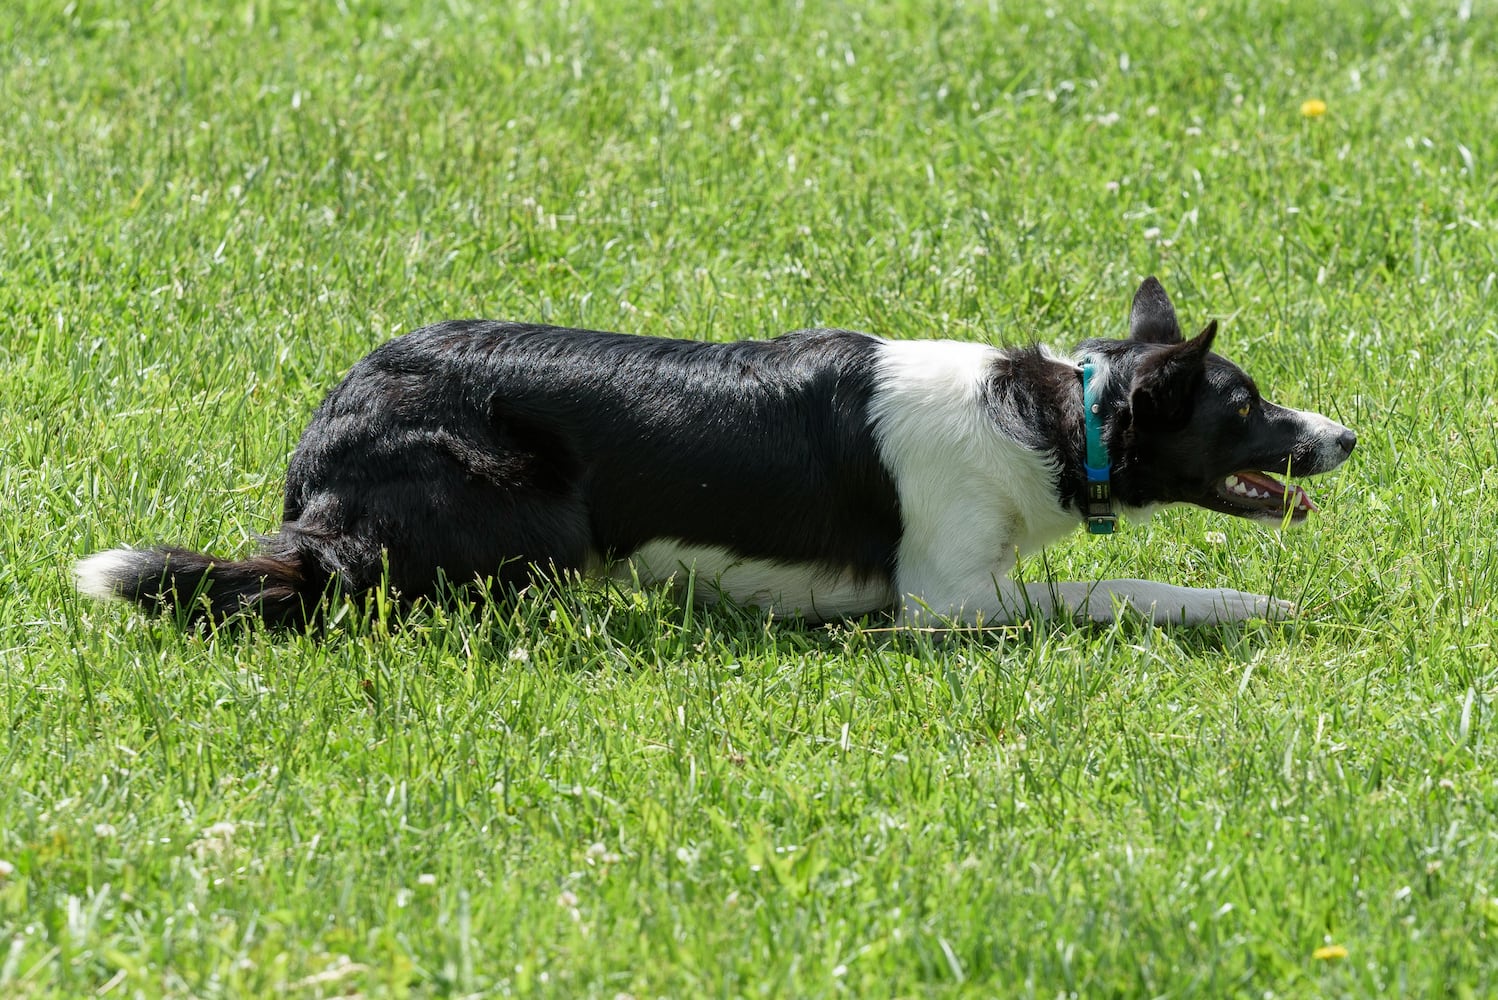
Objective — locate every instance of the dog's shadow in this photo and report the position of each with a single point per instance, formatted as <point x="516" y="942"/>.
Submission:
<point x="595" y="624"/>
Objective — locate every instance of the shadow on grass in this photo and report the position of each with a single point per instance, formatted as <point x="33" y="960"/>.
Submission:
<point x="591" y="624"/>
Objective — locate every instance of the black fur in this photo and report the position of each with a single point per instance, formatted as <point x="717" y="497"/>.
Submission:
<point x="1038" y="402"/>
<point x="485" y="450"/>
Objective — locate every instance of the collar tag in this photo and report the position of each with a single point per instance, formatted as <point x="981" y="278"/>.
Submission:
<point x="1098" y="504"/>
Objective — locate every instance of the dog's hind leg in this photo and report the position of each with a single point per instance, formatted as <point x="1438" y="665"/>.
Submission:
<point x="413" y="536"/>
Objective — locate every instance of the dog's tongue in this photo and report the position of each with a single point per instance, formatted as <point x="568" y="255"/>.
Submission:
<point x="1256" y="484"/>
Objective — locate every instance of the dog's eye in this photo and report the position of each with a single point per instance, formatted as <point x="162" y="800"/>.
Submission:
<point x="1243" y="410"/>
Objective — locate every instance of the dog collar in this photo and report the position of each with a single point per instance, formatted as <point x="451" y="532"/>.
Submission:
<point x="1098" y="505"/>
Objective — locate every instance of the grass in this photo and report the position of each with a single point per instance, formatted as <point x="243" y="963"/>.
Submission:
<point x="210" y="211"/>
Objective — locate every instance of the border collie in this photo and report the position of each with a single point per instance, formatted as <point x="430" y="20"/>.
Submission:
<point x="821" y="474"/>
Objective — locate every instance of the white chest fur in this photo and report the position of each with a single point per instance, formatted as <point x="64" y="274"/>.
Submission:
<point x="970" y="495"/>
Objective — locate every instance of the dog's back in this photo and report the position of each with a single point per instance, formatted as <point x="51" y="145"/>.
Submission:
<point x="477" y="449"/>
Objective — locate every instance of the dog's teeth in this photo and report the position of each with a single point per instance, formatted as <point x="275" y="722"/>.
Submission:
<point x="1232" y="480"/>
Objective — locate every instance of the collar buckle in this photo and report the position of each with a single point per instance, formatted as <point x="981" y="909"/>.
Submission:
<point x="1101" y="520"/>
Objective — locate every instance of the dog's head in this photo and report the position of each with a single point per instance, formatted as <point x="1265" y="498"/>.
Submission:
<point x="1184" y="425"/>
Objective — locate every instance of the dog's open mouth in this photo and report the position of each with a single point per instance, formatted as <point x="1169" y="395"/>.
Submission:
<point x="1258" y="495"/>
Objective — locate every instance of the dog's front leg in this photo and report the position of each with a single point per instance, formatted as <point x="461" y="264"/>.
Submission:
<point x="1103" y="601"/>
<point x="1160" y="603"/>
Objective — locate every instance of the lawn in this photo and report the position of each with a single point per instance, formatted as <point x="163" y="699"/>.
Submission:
<point x="208" y="212"/>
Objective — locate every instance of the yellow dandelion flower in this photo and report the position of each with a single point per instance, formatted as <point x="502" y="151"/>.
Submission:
<point x="1314" y="108"/>
<point x="1329" y="952"/>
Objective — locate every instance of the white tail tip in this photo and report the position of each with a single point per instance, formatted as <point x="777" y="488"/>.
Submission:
<point x="101" y="574"/>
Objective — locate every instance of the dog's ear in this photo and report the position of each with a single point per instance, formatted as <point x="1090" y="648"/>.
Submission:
<point x="1152" y="318"/>
<point x="1164" y="384"/>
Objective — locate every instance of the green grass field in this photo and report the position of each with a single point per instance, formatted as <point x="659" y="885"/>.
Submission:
<point x="208" y="212"/>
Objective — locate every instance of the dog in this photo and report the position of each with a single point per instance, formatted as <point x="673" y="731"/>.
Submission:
<point x="823" y="474"/>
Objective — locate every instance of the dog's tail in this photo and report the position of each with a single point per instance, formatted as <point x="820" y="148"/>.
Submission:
<point x="282" y="587"/>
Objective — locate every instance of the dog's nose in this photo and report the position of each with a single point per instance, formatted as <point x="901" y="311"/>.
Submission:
<point x="1347" y="440"/>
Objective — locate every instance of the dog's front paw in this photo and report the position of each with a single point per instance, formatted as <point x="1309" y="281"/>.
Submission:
<point x="1279" y="610"/>
<point x="1241" y="606"/>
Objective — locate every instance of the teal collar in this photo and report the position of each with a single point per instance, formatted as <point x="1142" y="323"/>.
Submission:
<point x="1098" y="505"/>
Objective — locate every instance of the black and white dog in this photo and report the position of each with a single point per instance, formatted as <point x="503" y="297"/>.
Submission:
<point x="822" y="474"/>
